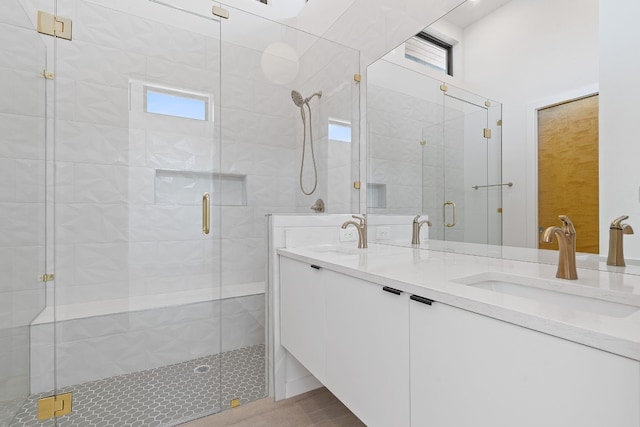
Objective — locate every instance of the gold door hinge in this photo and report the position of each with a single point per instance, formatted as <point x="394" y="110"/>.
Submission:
<point x="220" y="12"/>
<point x="47" y="277"/>
<point x="54" y="406"/>
<point x="55" y="26"/>
<point x="487" y="133"/>
<point x="48" y="75"/>
<point x="444" y="87"/>
<point x="499" y="122"/>
<point x="423" y="142"/>
<point x="357" y="78"/>
<point x="499" y="210"/>
<point x="356" y="185"/>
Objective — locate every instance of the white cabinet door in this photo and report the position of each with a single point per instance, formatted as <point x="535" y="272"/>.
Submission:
<point x="303" y="313"/>
<point x="469" y="370"/>
<point x="368" y="350"/>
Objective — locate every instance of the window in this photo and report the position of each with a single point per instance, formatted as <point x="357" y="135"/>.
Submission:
<point x="339" y="130"/>
<point x="175" y="103"/>
<point x="430" y="51"/>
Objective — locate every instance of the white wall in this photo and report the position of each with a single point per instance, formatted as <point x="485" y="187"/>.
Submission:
<point x="524" y="53"/>
<point x="619" y="113"/>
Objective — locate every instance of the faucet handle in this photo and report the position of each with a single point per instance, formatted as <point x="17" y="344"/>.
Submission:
<point x="567" y="225"/>
<point x="617" y="223"/>
<point x="362" y="219"/>
<point x="416" y="219"/>
<point x="627" y="229"/>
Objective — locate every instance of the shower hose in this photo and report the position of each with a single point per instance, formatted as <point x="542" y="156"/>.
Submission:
<point x="313" y="156"/>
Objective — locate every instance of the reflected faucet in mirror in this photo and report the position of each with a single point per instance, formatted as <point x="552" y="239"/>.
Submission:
<point x="417" y="224"/>
<point x="566" y="237"/>
<point x="361" y="226"/>
<point x="616" y="232"/>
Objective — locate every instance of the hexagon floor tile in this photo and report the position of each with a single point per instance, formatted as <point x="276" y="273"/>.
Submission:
<point x="164" y="396"/>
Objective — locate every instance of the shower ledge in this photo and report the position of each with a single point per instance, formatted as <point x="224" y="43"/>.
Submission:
<point x="145" y="302"/>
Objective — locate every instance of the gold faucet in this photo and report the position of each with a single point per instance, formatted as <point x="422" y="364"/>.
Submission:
<point x="616" y="230"/>
<point x="566" y="237"/>
<point x="361" y="226"/>
<point x="415" y="236"/>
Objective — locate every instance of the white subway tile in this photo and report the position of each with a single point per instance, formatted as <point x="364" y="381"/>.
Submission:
<point x="24" y="93"/>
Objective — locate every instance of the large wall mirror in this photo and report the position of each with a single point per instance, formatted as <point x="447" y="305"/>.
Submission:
<point x="510" y="134"/>
<point x="434" y="150"/>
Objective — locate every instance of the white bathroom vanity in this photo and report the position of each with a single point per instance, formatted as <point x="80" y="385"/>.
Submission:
<point x="413" y="337"/>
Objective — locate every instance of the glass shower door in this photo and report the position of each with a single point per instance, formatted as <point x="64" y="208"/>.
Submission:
<point x="465" y="204"/>
<point x="137" y="222"/>
<point x="22" y="205"/>
<point x="262" y="142"/>
<point x="494" y="174"/>
<point x="433" y="155"/>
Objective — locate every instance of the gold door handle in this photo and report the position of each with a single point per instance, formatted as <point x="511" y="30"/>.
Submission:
<point x="444" y="214"/>
<point x="206" y="218"/>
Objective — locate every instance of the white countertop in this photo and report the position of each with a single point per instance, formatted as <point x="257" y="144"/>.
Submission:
<point x="436" y="275"/>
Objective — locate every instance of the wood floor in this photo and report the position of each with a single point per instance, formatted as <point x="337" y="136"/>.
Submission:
<point x="318" y="408"/>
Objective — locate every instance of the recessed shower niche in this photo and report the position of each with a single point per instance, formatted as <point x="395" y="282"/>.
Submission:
<point x="186" y="188"/>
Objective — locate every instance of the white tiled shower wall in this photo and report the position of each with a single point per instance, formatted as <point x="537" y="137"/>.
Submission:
<point x="326" y="68"/>
<point x="108" y="155"/>
<point x="114" y="237"/>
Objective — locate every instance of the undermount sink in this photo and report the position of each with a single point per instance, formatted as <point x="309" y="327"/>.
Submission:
<point x="509" y="285"/>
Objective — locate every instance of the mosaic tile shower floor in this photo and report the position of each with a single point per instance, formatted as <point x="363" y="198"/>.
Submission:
<point x="162" y="396"/>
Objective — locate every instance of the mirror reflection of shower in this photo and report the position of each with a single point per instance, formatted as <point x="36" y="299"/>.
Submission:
<point x="301" y="102"/>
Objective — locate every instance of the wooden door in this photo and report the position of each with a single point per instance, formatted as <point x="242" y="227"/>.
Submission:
<point x="568" y="169"/>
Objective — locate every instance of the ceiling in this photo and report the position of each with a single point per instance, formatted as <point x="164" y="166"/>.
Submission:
<point x="472" y="11"/>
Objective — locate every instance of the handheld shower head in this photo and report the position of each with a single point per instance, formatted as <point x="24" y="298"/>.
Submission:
<point x="297" y="98"/>
<point x="300" y="101"/>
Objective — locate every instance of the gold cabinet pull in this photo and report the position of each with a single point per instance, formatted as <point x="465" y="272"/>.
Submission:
<point x="444" y="214"/>
<point x="206" y="218"/>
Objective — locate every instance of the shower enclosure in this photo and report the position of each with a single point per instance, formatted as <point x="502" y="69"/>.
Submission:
<point x="138" y="162"/>
<point x="434" y="149"/>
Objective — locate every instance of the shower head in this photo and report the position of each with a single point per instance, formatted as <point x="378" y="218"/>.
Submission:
<point x="297" y="98"/>
<point x="300" y="101"/>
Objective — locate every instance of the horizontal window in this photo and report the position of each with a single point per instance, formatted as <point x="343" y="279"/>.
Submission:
<point x="339" y="130"/>
<point x="175" y="103"/>
<point x="430" y="51"/>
